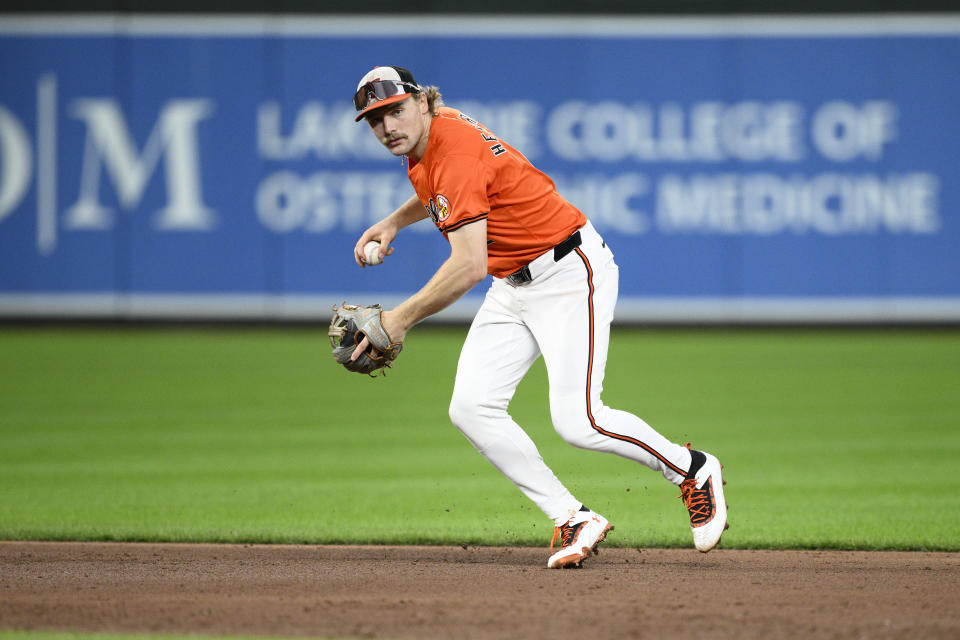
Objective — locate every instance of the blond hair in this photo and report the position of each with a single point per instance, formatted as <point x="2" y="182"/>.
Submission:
<point x="434" y="98"/>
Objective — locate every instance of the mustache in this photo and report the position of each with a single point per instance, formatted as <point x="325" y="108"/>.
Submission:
<point x="389" y="139"/>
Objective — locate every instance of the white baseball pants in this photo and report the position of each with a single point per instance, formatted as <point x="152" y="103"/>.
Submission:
<point x="564" y="314"/>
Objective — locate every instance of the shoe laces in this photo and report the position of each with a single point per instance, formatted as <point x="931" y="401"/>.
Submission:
<point x="567" y="533"/>
<point x="699" y="502"/>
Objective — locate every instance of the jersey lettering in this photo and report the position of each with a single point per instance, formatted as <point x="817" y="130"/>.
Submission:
<point x="519" y="206"/>
<point x="486" y="135"/>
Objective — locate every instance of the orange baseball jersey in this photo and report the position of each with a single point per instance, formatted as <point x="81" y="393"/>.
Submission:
<point x="468" y="174"/>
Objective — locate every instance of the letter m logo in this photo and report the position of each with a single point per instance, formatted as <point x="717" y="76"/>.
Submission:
<point x="111" y="149"/>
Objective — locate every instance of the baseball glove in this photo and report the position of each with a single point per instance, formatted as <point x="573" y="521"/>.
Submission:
<point x="349" y="325"/>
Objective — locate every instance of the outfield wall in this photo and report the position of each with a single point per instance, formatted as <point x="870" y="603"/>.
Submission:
<point x="743" y="169"/>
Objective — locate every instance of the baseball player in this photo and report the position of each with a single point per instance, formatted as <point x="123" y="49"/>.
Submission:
<point x="553" y="294"/>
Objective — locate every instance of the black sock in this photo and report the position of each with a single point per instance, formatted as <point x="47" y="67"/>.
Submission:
<point x="697" y="460"/>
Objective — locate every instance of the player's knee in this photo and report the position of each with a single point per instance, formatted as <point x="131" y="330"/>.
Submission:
<point x="458" y="412"/>
<point x="468" y="407"/>
<point x="464" y="408"/>
<point x="571" y="421"/>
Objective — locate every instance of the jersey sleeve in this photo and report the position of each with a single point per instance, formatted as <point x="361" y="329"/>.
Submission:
<point x="460" y="192"/>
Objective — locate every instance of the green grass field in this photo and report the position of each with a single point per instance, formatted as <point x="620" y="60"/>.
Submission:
<point x="831" y="438"/>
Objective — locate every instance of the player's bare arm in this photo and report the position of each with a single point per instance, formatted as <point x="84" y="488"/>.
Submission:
<point x="386" y="230"/>
<point x="466" y="266"/>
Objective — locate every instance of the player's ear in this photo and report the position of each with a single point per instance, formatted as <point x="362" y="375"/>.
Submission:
<point x="424" y="103"/>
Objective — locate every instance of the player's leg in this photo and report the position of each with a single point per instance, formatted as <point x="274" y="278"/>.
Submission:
<point x="570" y="315"/>
<point x="572" y="311"/>
<point x="496" y="354"/>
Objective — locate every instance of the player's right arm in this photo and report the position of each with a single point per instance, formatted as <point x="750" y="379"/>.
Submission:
<point x="386" y="230"/>
<point x="466" y="266"/>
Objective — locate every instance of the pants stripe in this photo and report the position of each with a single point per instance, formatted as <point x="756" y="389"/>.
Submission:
<point x="593" y="422"/>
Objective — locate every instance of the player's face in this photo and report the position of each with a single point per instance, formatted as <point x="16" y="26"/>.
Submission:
<point x="400" y="127"/>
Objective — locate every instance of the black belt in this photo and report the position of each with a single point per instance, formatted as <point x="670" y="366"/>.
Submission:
<point x="523" y="276"/>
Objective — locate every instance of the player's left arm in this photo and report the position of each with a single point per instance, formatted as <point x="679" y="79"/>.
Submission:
<point x="466" y="266"/>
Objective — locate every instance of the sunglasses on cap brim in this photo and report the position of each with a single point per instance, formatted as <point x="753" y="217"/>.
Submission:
<point x="381" y="90"/>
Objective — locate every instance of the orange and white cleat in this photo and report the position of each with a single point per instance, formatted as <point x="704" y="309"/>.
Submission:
<point x="579" y="538"/>
<point x="702" y="494"/>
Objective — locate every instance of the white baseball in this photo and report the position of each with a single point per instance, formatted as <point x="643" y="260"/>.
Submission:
<point x="371" y="252"/>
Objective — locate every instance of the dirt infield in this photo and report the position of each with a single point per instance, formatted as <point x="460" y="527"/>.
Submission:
<point x="443" y="592"/>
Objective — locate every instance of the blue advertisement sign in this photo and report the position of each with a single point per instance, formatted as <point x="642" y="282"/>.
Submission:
<point x="786" y="169"/>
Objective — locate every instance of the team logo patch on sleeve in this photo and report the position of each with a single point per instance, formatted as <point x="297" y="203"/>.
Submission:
<point x="439" y="208"/>
<point x="443" y="207"/>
